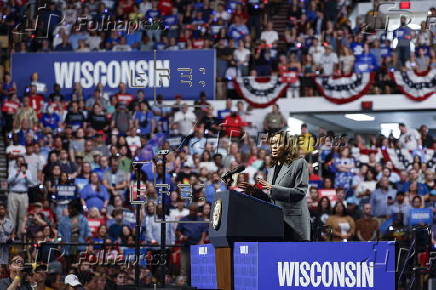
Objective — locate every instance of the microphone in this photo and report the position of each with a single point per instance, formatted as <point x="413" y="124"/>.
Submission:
<point x="229" y="173"/>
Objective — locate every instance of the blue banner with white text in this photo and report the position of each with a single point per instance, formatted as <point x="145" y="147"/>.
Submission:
<point x="187" y="73"/>
<point x="320" y="265"/>
<point x="420" y="216"/>
<point x="203" y="268"/>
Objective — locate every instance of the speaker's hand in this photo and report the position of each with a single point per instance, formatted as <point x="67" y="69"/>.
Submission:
<point x="264" y="183"/>
<point x="247" y="188"/>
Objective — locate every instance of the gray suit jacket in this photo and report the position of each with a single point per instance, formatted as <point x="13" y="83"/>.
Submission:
<point x="289" y="192"/>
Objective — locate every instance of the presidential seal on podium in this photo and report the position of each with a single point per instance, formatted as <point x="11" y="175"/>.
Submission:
<point x="216" y="214"/>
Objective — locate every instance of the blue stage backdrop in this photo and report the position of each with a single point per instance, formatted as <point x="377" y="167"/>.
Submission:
<point x="190" y="71"/>
<point x="203" y="268"/>
<point x="325" y="265"/>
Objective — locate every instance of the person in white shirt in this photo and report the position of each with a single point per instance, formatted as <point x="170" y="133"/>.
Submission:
<point x="122" y="46"/>
<point x="410" y="139"/>
<point x="173" y="44"/>
<point x="60" y="33"/>
<point x="317" y="51"/>
<point x="423" y="37"/>
<point x="83" y="46"/>
<point x="94" y="40"/>
<point x="15" y="149"/>
<point x="35" y="165"/>
<point x="184" y="121"/>
<point x="221" y="13"/>
<point x="145" y="6"/>
<point x="329" y="61"/>
<point x="177" y="213"/>
<point x="70" y="15"/>
<point x="242" y="57"/>
<point x="269" y="35"/>
<point x="41" y="88"/>
<point x="346" y="60"/>
<point x="153" y="228"/>
<point x="133" y="140"/>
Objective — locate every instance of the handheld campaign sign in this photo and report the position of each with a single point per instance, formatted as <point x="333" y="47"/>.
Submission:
<point x="421" y="216"/>
<point x="320" y="265"/>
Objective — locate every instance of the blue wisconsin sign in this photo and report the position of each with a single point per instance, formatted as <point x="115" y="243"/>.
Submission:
<point x="203" y="268"/>
<point x="183" y="72"/>
<point x="317" y="265"/>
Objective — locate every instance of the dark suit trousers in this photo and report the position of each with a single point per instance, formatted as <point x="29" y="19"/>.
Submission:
<point x="290" y="235"/>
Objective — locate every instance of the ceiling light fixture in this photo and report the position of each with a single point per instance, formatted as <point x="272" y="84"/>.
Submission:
<point x="360" y="117"/>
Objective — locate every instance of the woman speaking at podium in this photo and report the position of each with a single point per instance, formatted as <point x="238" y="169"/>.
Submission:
<point x="286" y="185"/>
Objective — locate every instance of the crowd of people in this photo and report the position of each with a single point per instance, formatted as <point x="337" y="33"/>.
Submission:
<point x="71" y="158"/>
<point x="72" y="175"/>
<point x="317" y="37"/>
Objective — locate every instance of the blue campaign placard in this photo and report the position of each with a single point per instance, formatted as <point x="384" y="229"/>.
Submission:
<point x="421" y="216"/>
<point x="186" y="73"/>
<point x="320" y="265"/>
<point x="130" y="256"/>
<point x="245" y="266"/>
<point x="203" y="268"/>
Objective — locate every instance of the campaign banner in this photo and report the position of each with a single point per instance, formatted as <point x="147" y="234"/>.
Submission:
<point x="184" y="72"/>
<point x="320" y="265"/>
<point x="421" y="216"/>
<point x="203" y="268"/>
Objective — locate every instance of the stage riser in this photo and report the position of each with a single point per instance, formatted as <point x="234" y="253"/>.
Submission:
<point x="273" y="266"/>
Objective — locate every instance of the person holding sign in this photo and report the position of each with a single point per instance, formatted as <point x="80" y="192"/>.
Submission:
<point x="417" y="215"/>
<point x="65" y="191"/>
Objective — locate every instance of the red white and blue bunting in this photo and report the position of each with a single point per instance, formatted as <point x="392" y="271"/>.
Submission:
<point x="260" y="92"/>
<point x="417" y="86"/>
<point x="346" y="88"/>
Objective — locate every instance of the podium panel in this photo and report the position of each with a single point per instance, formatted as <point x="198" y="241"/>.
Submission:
<point x="320" y="265"/>
<point x="237" y="217"/>
<point x="203" y="268"/>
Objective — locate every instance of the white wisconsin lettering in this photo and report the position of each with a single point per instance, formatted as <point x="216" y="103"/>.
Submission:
<point x="87" y="80"/>
<point x="326" y="275"/>
<point x="304" y="280"/>
<point x="368" y="274"/>
<point x="99" y="73"/>
<point x="338" y="274"/>
<point x="316" y="282"/>
<point x="113" y="74"/>
<point x="64" y="74"/>
<point x="285" y="271"/>
<point x="350" y="281"/>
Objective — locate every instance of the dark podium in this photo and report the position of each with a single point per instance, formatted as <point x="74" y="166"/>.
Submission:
<point x="237" y="217"/>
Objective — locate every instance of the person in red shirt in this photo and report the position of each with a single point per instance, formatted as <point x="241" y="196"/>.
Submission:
<point x="198" y="43"/>
<point x="95" y="220"/>
<point x="126" y="5"/>
<point x="239" y="11"/>
<point x="123" y="96"/>
<point x="36" y="101"/>
<point x="233" y="125"/>
<point x="165" y="7"/>
<point x="9" y="109"/>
